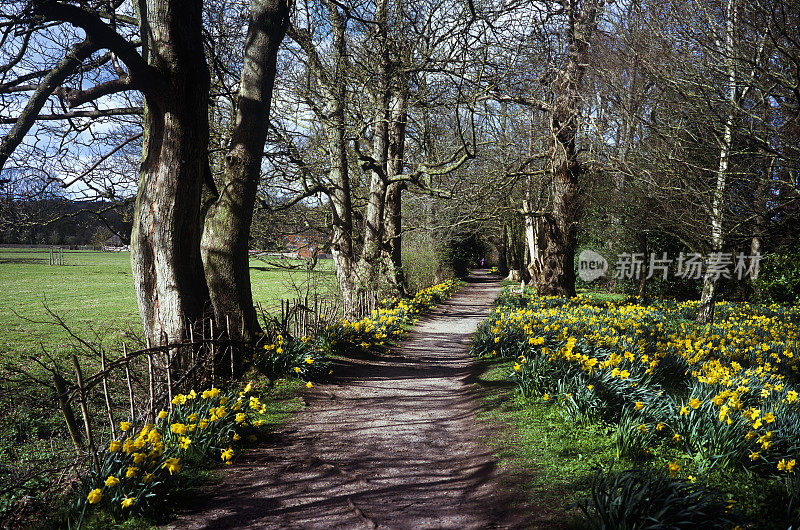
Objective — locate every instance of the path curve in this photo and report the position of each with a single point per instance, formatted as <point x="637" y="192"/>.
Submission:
<point x="392" y="442"/>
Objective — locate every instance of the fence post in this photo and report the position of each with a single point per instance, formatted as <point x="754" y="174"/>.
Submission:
<point x="152" y="382"/>
<point x="105" y="393"/>
<point x="193" y="357"/>
<point x="315" y="322"/>
<point x="165" y="342"/>
<point x="66" y="409"/>
<point x="130" y="381"/>
<point x="230" y="343"/>
<point x="213" y="356"/>
<point x="85" y="413"/>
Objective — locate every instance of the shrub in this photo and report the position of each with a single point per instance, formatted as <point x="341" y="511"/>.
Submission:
<point x="779" y="278"/>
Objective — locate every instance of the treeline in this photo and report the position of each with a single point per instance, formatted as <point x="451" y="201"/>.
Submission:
<point x="64" y="222"/>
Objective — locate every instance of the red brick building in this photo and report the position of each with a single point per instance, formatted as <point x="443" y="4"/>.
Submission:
<point x="306" y="244"/>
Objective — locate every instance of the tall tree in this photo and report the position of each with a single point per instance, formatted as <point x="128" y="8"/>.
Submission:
<point x="165" y="61"/>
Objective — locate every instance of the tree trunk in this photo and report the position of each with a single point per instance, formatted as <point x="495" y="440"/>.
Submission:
<point x="558" y="268"/>
<point x="369" y="264"/>
<point x="502" y="252"/>
<point x="392" y="250"/>
<point x="705" y="314"/>
<point x="165" y="242"/>
<point x="330" y="84"/>
<point x="342" y="210"/>
<point x="558" y="271"/>
<point x="227" y="224"/>
<point x="641" y="292"/>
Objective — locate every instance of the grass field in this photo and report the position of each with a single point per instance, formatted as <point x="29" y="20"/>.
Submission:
<point x="94" y="291"/>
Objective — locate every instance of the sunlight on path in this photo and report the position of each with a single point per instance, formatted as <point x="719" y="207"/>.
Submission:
<point x="392" y="443"/>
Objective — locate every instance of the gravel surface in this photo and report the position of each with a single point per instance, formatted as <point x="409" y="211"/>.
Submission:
<point x="392" y="442"/>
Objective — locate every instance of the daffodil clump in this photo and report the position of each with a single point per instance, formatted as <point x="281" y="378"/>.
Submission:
<point x="142" y="464"/>
<point x="388" y="323"/>
<point x="725" y="395"/>
<point x="299" y="357"/>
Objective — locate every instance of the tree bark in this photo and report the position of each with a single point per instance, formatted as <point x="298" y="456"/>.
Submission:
<point x="558" y="269"/>
<point x="165" y="241"/>
<point x="392" y="256"/>
<point x="331" y="86"/>
<point x="227" y="224"/>
<point x="705" y="313"/>
<point x="369" y="263"/>
<point x="641" y="291"/>
<point x="502" y="252"/>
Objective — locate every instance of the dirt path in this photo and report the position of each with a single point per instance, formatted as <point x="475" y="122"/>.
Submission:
<point x="391" y="443"/>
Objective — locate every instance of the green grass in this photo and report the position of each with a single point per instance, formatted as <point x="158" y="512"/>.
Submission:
<point x="549" y="461"/>
<point x="95" y="291"/>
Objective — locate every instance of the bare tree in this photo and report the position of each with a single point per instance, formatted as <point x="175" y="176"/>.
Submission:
<point x="163" y="58"/>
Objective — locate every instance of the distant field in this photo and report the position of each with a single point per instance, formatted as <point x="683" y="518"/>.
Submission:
<point x="94" y="291"/>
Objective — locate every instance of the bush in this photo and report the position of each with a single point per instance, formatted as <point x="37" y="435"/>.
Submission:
<point x="779" y="278"/>
<point x="463" y="250"/>
<point x="424" y="262"/>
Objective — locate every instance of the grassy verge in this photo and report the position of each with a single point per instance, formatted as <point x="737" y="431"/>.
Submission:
<point x="549" y="461"/>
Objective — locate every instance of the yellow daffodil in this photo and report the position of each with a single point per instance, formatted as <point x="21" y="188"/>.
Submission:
<point x="673" y="468"/>
<point x="94" y="496"/>
<point x="173" y="465"/>
<point x="179" y="428"/>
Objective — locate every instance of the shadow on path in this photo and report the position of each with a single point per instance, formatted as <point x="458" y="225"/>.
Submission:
<point x="390" y="442"/>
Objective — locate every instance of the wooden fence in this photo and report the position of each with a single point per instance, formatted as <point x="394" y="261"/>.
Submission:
<point x="137" y="384"/>
<point x="308" y="316"/>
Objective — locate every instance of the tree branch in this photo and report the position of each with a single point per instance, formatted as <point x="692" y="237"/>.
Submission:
<point x="53" y="79"/>
<point x="75" y="98"/>
<point x="519" y="100"/>
<point x="143" y="76"/>
<point x="99" y="113"/>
